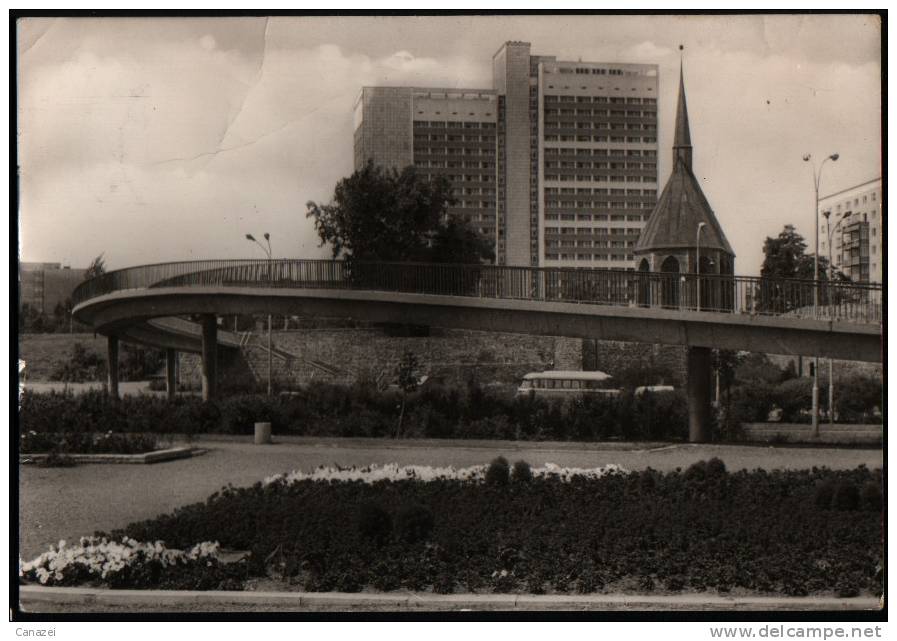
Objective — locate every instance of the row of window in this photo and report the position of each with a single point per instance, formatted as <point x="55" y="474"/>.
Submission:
<point x="570" y="164"/>
<point x="473" y="191"/>
<point x="475" y="204"/>
<point x="596" y="217"/>
<point x="601" y="125"/>
<point x="598" y="71"/>
<point x="450" y="124"/>
<point x="456" y="164"/>
<point x="585" y="231"/>
<point x="613" y="244"/>
<point x="601" y="113"/>
<point x="454" y="151"/>
<point x="454" y="137"/>
<point x="597" y="204"/>
<point x="856" y="202"/>
<point x="601" y="100"/>
<point x="600" y="151"/>
<point x="584" y="257"/>
<point x="599" y="191"/>
<point x="600" y="178"/>
<point x="584" y="138"/>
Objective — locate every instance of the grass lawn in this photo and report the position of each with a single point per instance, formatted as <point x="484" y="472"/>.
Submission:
<point x="45" y="353"/>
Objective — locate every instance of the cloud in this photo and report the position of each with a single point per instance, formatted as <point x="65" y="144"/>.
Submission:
<point x="154" y="144"/>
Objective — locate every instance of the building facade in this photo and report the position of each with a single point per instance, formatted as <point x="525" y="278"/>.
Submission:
<point x="43" y="286"/>
<point x="442" y="132"/>
<point x="851" y="231"/>
<point x="557" y="163"/>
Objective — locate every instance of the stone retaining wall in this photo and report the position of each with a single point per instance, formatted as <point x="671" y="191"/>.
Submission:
<point x="841" y="434"/>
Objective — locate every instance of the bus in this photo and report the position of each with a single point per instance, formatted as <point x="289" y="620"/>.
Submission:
<point x="560" y="383"/>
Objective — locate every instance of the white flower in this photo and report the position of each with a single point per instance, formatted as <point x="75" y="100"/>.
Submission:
<point x="392" y="472"/>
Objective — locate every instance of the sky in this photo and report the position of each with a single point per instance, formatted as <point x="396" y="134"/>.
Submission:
<point x="161" y="139"/>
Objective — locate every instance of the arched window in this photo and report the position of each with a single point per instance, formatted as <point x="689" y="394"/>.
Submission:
<point x="644" y="283"/>
<point x="669" y="286"/>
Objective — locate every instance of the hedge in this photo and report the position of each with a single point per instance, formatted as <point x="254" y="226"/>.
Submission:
<point x="333" y="410"/>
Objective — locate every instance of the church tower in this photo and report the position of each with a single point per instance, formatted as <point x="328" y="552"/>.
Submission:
<point x="682" y="227"/>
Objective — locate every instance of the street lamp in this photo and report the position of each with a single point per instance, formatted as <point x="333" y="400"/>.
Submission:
<point x="698" y="262"/>
<point x="267" y="251"/>
<point x="831" y="267"/>
<point x="817" y="174"/>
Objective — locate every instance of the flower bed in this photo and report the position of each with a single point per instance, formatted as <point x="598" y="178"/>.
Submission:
<point x="129" y="564"/>
<point x="474" y="473"/>
<point x="496" y="530"/>
<point x="32" y="442"/>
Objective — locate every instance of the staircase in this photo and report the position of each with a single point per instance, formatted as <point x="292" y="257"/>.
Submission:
<point x="254" y="348"/>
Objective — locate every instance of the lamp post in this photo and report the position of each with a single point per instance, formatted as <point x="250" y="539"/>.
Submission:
<point x="817" y="173"/>
<point x="267" y="251"/>
<point x="831" y="267"/>
<point x="698" y="262"/>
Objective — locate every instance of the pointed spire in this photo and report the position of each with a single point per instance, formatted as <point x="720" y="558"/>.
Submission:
<point x="682" y="139"/>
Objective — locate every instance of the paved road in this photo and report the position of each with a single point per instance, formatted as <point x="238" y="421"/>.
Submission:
<point x="58" y="503"/>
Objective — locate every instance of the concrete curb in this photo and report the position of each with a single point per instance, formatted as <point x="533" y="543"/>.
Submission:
<point x="33" y="594"/>
<point x="156" y="456"/>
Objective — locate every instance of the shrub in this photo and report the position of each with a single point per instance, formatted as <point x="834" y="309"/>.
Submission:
<point x="823" y="494"/>
<point x="521" y="472"/>
<point x="82" y="366"/>
<point x="413" y="523"/>
<point x="794" y="396"/>
<point x="716" y="468"/>
<point x="857" y="397"/>
<point x="498" y="472"/>
<point x="871" y="497"/>
<point x="750" y="403"/>
<point x="846" y="497"/>
<point x="374" y="523"/>
<point x="696" y="471"/>
<point x="86" y="443"/>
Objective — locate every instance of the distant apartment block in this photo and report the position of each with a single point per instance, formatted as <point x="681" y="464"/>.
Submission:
<point x="557" y="163"/>
<point x="855" y="220"/>
<point x="43" y="286"/>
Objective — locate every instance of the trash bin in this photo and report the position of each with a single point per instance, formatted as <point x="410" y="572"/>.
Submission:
<point x="262" y="433"/>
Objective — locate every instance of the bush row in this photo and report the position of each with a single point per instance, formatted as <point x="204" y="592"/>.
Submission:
<point x="86" y="443"/>
<point x="856" y="400"/>
<point x="699" y="529"/>
<point x="332" y="410"/>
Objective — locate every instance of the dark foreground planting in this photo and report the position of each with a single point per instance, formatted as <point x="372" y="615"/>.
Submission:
<point x="791" y="533"/>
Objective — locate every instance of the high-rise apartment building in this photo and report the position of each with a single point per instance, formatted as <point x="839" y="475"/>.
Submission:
<point x="448" y="132"/>
<point x="557" y="162"/>
<point x="855" y="219"/>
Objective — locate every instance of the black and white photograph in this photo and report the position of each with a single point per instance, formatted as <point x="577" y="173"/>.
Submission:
<point x="450" y="315"/>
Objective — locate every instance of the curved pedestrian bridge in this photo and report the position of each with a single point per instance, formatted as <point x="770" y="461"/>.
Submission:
<point x="148" y="304"/>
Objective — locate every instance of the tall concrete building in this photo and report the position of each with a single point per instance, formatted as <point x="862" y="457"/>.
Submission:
<point x="855" y="219"/>
<point x="557" y="163"/>
<point x="448" y="132"/>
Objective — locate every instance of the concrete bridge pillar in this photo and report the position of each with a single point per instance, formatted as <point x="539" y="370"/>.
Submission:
<point x="171" y="373"/>
<point x="700" y="366"/>
<point x="209" y="356"/>
<point x="112" y="364"/>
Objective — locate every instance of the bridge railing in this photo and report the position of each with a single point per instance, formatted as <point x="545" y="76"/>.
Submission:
<point x="850" y="302"/>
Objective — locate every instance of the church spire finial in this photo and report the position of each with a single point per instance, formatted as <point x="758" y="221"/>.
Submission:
<point x="682" y="139"/>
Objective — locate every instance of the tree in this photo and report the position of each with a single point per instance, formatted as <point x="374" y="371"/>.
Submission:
<point x="96" y="268"/>
<point x="387" y="215"/>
